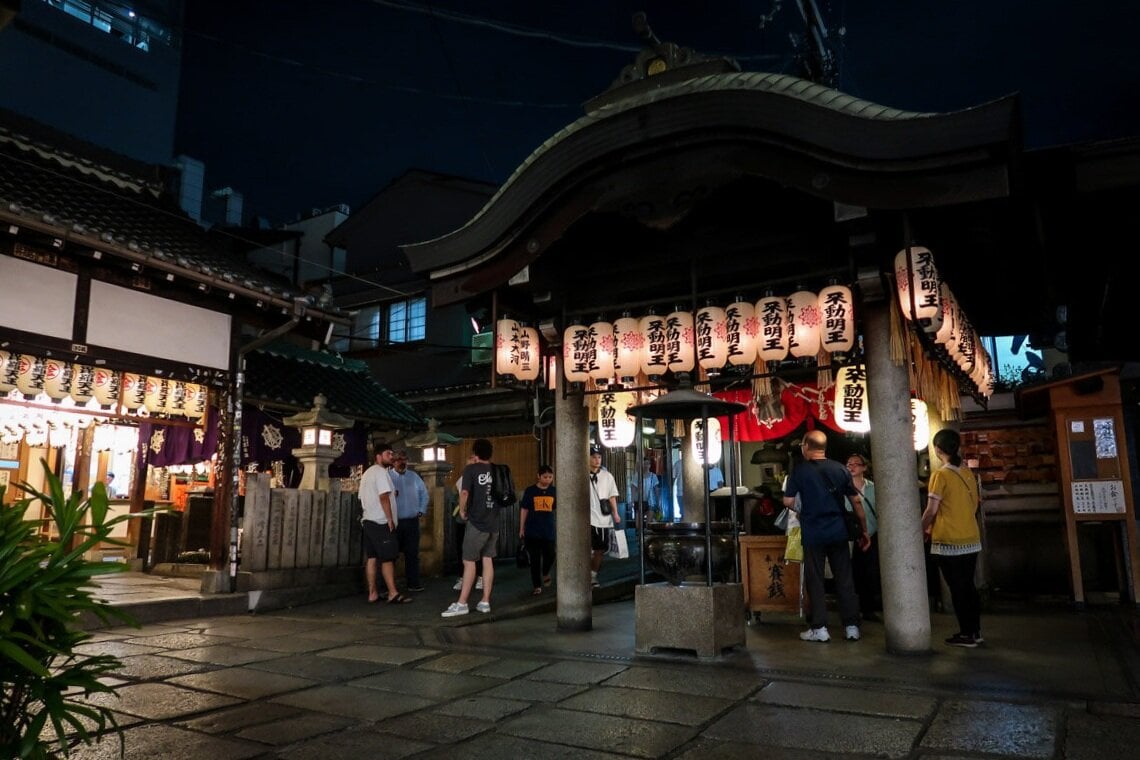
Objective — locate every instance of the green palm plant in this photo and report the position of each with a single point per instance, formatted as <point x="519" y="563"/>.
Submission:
<point x="46" y="587"/>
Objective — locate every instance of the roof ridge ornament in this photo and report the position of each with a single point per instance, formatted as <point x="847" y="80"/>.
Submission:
<point x="657" y="65"/>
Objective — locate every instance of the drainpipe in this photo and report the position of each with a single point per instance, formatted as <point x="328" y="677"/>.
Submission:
<point x="299" y="305"/>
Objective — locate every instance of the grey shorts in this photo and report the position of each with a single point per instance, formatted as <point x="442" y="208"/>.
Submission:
<point x="477" y="544"/>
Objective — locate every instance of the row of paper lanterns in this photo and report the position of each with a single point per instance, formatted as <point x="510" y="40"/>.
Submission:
<point x="55" y="428"/>
<point x="852" y="412"/>
<point x="617" y="428"/>
<point x="743" y="333"/>
<point x="127" y="392"/>
<point x="926" y="301"/>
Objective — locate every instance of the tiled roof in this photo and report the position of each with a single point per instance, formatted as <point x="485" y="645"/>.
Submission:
<point x="289" y="376"/>
<point x="78" y="199"/>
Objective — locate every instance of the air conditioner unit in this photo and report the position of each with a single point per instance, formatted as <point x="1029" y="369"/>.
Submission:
<point x="482" y="345"/>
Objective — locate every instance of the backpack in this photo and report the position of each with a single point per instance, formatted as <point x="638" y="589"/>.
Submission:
<point x="502" y="487"/>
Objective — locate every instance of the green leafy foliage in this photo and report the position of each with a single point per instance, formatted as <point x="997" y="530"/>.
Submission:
<point x="46" y="588"/>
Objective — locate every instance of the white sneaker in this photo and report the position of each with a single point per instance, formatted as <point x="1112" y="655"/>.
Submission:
<point x="455" y="610"/>
<point x="483" y="607"/>
<point x="479" y="583"/>
<point x="594" y="579"/>
<point x="851" y="632"/>
<point x="815" y="634"/>
<point x="458" y="585"/>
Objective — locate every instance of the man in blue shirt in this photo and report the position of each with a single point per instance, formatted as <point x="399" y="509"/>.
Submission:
<point x="411" y="503"/>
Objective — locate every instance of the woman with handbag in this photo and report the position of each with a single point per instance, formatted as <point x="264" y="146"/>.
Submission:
<point x="955" y="541"/>
<point x="865" y="564"/>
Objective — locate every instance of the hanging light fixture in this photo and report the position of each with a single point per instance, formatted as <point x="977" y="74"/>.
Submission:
<point x="628" y="346"/>
<point x="804" y="322"/>
<point x="603" y="365"/>
<point x="154" y="395"/>
<point x="711" y="343"/>
<point x="920" y="423"/>
<point x="30" y="375"/>
<point x="679" y="341"/>
<point x="616" y="429"/>
<point x="837" y="309"/>
<point x="9" y="368"/>
<point x="82" y="388"/>
<point x="919" y="287"/>
<point x="653" y="348"/>
<point x="530" y="354"/>
<point x="507" y="347"/>
<point x="948" y="324"/>
<point x="57" y="380"/>
<point x="577" y="353"/>
<point x="772" y="315"/>
<point x="698" y="440"/>
<point x="741" y="329"/>
<point x="851" y="399"/>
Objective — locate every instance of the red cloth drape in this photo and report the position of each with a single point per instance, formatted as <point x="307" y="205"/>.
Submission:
<point x="801" y="403"/>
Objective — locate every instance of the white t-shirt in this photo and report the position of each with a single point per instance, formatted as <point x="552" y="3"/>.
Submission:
<point x="600" y="493"/>
<point x="373" y="482"/>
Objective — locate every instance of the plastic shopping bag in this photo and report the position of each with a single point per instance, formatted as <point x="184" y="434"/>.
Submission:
<point x="619" y="547"/>
<point x="794" y="551"/>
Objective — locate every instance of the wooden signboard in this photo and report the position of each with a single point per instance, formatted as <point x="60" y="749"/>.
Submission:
<point x="771" y="584"/>
<point x="1095" y="482"/>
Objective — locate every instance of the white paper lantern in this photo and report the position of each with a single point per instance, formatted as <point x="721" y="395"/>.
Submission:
<point x="837" y="309"/>
<point x="197" y="398"/>
<point x="679" y="342"/>
<point x="30" y="375"/>
<point x="804" y="322"/>
<point x="948" y="324"/>
<point x="82" y="387"/>
<point x="175" y="397"/>
<point x="57" y="379"/>
<point x="9" y="368"/>
<point x="616" y="429"/>
<point x="710" y="339"/>
<point x="154" y="397"/>
<point x="772" y="316"/>
<point x="577" y="353"/>
<point x="851" y="399"/>
<point x="506" y="347"/>
<point x="697" y="437"/>
<point x="741" y="329"/>
<point x="106" y="388"/>
<point x="603" y="367"/>
<point x="628" y="345"/>
<point x="530" y="354"/>
<point x="919" y="287"/>
<point x="920" y="423"/>
<point x="653" y="333"/>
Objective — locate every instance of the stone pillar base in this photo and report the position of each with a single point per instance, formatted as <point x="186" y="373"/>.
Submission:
<point x="704" y="619"/>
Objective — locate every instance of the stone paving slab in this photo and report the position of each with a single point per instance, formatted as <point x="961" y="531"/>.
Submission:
<point x="457" y="663"/>
<point x="230" y="719"/>
<point x="243" y="682"/>
<point x="160" y="701"/>
<point x="483" y="708"/>
<point x="180" y="640"/>
<point x="534" y="691"/>
<point x="974" y="726"/>
<point x="149" y="667"/>
<point x="708" y="749"/>
<point x="387" y="655"/>
<point x="286" y="644"/>
<point x="298" y="728"/>
<point x="495" y="746"/>
<point x="364" y="743"/>
<point x="434" y="728"/>
<point x="815" y="730"/>
<point x="570" y="671"/>
<point x="709" y="682"/>
<point x="509" y="667"/>
<point x="664" y="706"/>
<point x="317" y="668"/>
<point x="224" y="654"/>
<point x="1101" y="737"/>
<point x="603" y="733"/>
<point x="866" y="701"/>
<point x="169" y="743"/>
<point x="353" y="702"/>
<point x="424" y="683"/>
<point x="116" y="648"/>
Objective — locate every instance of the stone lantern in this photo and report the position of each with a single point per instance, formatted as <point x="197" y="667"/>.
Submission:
<point x="434" y="468"/>
<point x="316" y="451"/>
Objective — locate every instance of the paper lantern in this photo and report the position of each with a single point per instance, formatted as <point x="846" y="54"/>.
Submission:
<point x="919" y="287"/>
<point x="175" y="397"/>
<point x="628" y="345"/>
<point x="851" y="399"/>
<point x="920" y="423"/>
<point x="948" y="325"/>
<point x="603" y="366"/>
<point x="741" y="330"/>
<point x="967" y="346"/>
<point x="837" y="309"/>
<point x="9" y="368"/>
<point x="616" y="429"/>
<point x="154" y="395"/>
<point x="804" y="322"/>
<point x="106" y="386"/>
<point x="30" y="375"/>
<point x="772" y="316"/>
<point x="711" y="342"/>
<point x="577" y="353"/>
<point x="507" y="347"/>
<point x="698" y="440"/>
<point x="197" y="398"/>
<point x="57" y="379"/>
<point x="679" y="342"/>
<point x="530" y="354"/>
<point x="82" y="387"/>
<point x="653" y="348"/>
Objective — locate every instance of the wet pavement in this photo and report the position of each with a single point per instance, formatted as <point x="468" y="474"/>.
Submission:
<point x="342" y="676"/>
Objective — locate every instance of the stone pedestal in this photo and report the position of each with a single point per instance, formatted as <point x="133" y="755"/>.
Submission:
<point x="437" y="477"/>
<point x="703" y="619"/>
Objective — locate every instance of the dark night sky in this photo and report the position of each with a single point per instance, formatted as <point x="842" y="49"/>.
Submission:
<point x="301" y="105"/>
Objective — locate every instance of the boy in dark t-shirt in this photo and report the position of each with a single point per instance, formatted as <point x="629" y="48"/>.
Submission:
<point x="536" y="527"/>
